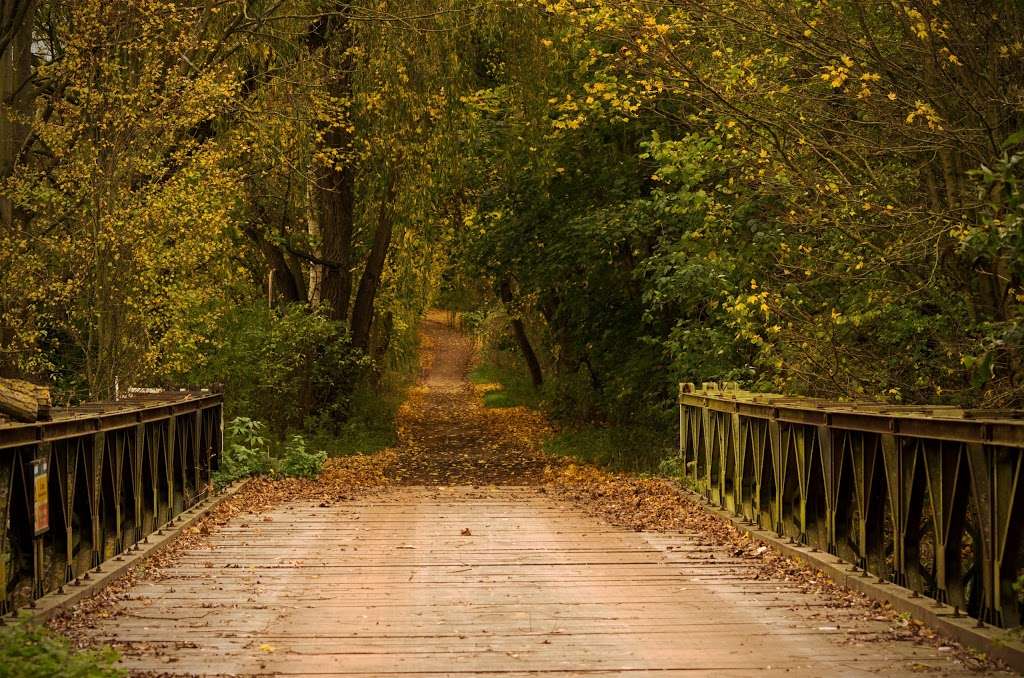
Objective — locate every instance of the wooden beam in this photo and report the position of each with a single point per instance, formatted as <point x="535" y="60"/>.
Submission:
<point x="23" y="401"/>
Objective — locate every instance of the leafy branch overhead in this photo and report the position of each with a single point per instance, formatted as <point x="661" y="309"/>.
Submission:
<point x="817" y="197"/>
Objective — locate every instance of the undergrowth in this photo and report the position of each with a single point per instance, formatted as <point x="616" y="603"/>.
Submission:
<point x="28" y="650"/>
<point x="621" y="448"/>
<point x="248" y="451"/>
<point x="624" y="447"/>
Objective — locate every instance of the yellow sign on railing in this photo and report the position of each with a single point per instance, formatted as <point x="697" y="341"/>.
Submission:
<point x="41" y="482"/>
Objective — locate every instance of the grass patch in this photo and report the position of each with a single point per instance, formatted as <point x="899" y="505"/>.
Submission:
<point x="621" y="448"/>
<point x="355" y="437"/>
<point x="508" y="388"/>
<point x="636" y="449"/>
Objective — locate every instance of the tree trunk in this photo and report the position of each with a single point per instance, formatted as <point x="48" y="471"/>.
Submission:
<point x="336" y="196"/>
<point x="15" y="93"/>
<point x="285" y="284"/>
<point x="335" y="180"/>
<point x="519" y="330"/>
<point x="362" y="311"/>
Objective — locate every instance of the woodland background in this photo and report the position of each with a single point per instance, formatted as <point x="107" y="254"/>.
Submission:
<point x="815" y="197"/>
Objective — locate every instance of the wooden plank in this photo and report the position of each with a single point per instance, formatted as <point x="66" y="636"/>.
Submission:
<point x="390" y="585"/>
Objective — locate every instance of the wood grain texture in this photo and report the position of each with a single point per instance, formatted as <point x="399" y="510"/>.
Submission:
<point x="390" y="585"/>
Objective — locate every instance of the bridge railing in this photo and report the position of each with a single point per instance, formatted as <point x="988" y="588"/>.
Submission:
<point x="929" y="498"/>
<point x="95" y="481"/>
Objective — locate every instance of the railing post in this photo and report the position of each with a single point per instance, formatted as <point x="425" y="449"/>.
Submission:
<point x="95" y="486"/>
<point x="1007" y="468"/>
<point x="170" y="458"/>
<point x="737" y="441"/>
<point x="7" y="465"/>
<point x="826" y="457"/>
<point x="138" y="450"/>
<point x="66" y="468"/>
<point x="979" y="461"/>
<point x="197" y="422"/>
<point x="778" y="470"/>
<point x="117" y="486"/>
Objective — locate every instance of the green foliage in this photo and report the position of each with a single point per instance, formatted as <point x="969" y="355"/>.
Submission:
<point x="676" y="200"/>
<point x="300" y="462"/>
<point x="28" y="650"/>
<point x="246" y="451"/>
<point x="249" y="452"/>
<point x="514" y="387"/>
<point x="671" y="466"/>
<point x="290" y="367"/>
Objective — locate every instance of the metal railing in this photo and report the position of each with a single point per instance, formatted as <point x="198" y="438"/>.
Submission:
<point x="95" y="481"/>
<point x="929" y="498"/>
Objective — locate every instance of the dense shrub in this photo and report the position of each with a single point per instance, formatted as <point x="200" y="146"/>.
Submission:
<point x="28" y="650"/>
<point x="249" y="452"/>
<point x="289" y="367"/>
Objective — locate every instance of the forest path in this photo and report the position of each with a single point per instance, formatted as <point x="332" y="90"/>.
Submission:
<point x="447" y="437"/>
<point x="458" y="572"/>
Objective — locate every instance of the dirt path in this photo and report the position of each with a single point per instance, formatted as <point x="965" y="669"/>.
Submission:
<point x="448" y="437"/>
<point x="471" y="566"/>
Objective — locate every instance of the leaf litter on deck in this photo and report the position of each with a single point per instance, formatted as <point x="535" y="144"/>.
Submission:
<point x="447" y="437"/>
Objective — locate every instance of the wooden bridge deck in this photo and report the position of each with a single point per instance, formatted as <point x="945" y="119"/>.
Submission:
<point x="390" y="585"/>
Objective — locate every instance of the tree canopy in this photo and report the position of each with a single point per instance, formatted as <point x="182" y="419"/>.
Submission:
<point x="814" y="196"/>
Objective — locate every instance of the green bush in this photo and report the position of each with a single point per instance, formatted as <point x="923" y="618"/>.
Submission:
<point x="246" y="453"/>
<point x="285" y="366"/>
<point x="249" y="452"/>
<point x="299" y="461"/>
<point x="28" y="650"/>
<point x="671" y="466"/>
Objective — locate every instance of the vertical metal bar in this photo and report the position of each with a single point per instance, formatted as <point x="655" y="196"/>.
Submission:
<point x="1007" y="468"/>
<point x="170" y="453"/>
<point x="138" y="449"/>
<point x="95" y="485"/>
<point x="775" y="437"/>
<point x="116" y="472"/>
<point x="737" y="431"/>
<point x="979" y="462"/>
<point x="826" y="457"/>
<point x="197" y="455"/>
